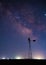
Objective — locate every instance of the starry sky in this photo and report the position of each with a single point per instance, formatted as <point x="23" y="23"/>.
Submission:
<point x="20" y="19"/>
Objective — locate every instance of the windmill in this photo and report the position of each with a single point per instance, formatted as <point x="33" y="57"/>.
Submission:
<point x="30" y="49"/>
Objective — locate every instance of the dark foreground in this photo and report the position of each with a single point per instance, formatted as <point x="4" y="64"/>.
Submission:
<point x="22" y="61"/>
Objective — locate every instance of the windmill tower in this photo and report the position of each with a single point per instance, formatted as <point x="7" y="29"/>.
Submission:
<point x="30" y="49"/>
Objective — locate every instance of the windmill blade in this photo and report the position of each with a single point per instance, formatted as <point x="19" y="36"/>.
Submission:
<point x="34" y="40"/>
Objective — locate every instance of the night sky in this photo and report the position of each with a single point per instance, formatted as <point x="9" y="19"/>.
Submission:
<point x="20" y="19"/>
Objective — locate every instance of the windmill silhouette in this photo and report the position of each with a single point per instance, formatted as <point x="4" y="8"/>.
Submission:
<point x="30" y="49"/>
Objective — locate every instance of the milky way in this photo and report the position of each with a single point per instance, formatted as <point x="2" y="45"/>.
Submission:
<point x="24" y="18"/>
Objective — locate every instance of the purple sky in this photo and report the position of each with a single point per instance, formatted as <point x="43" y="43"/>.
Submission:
<point x="20" y="19"/>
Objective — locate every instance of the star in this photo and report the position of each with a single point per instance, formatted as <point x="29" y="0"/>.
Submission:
<point x="45" y="14"/>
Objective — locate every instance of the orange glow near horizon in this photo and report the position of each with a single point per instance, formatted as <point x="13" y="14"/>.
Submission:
<point x="38" y="56"/>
